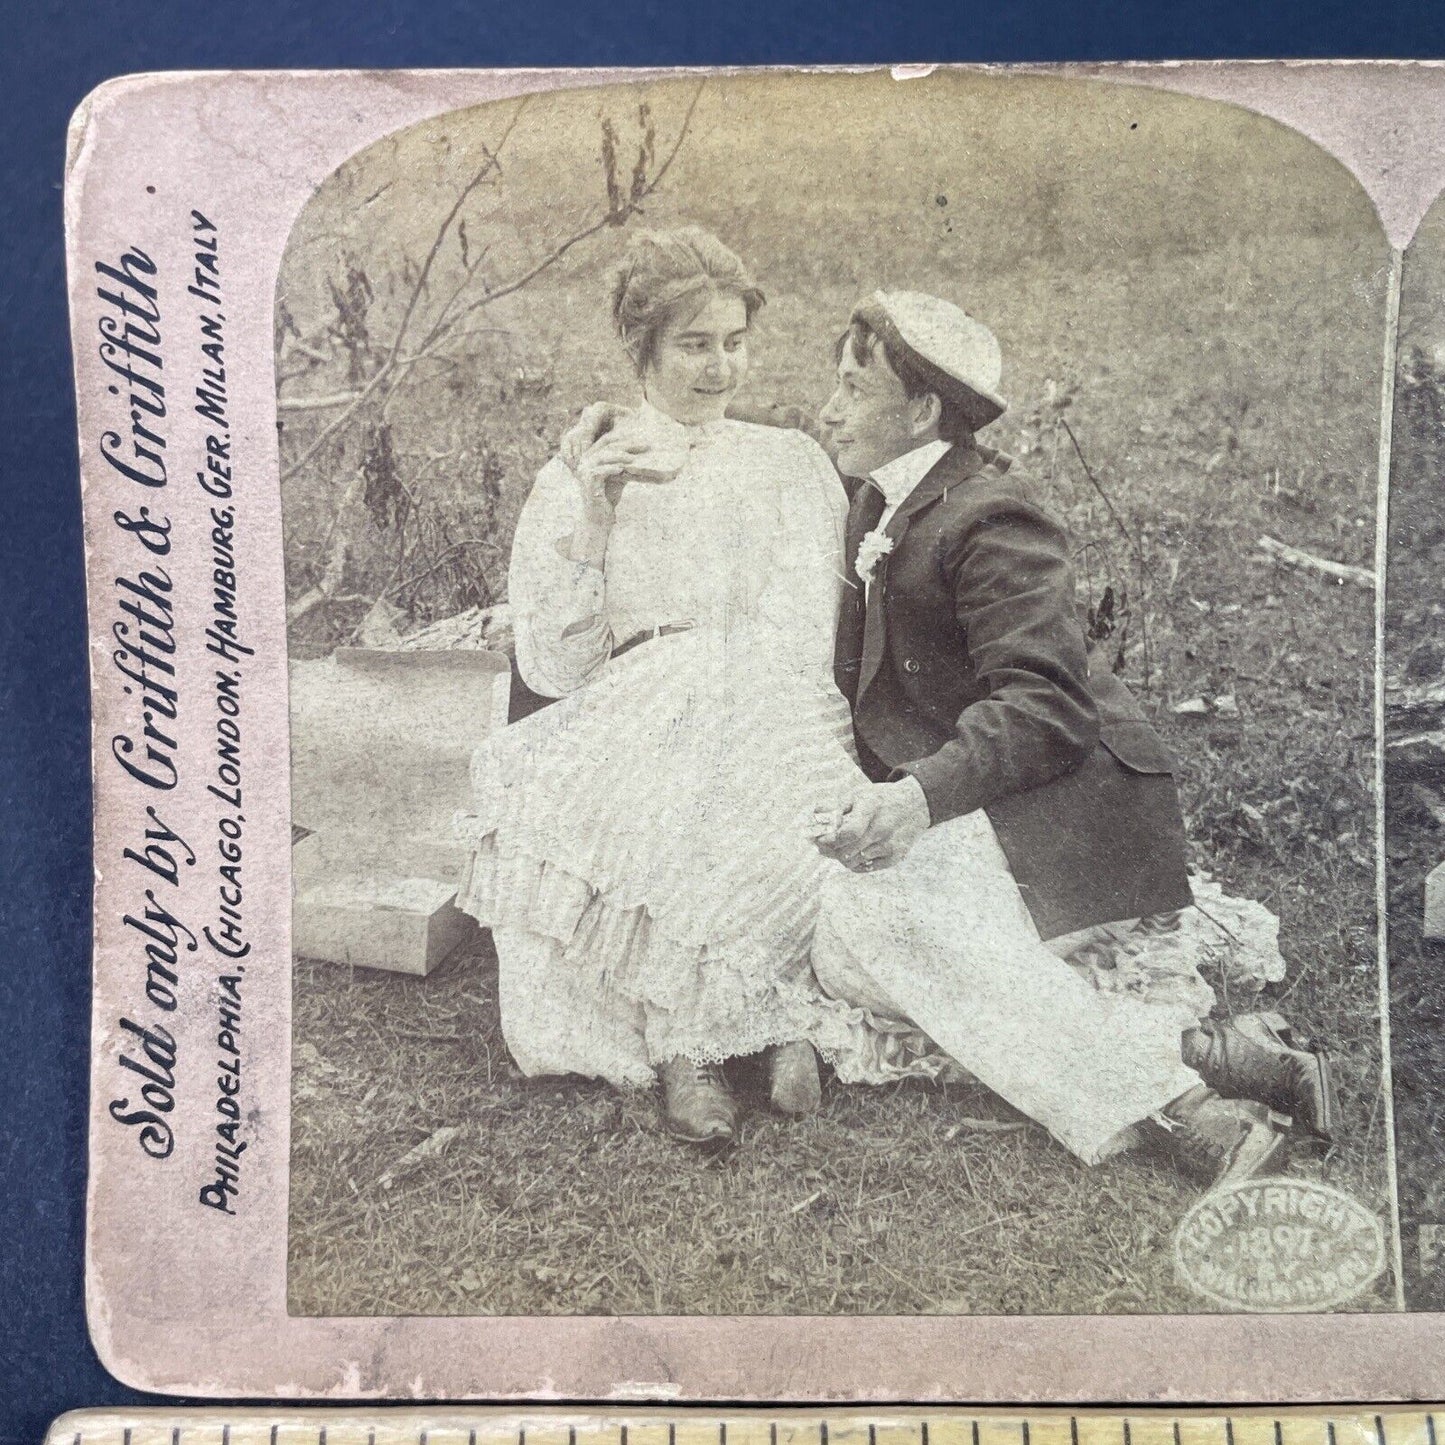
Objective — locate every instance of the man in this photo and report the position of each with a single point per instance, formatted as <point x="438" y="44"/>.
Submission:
<point x="1017" y="795"/>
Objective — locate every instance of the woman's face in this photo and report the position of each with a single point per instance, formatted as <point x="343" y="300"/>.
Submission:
<point x="700" y="360"/>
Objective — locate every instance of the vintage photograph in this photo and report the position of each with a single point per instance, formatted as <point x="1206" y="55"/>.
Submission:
<point x="1414" y="668"/>
<point x="831" y="641"/>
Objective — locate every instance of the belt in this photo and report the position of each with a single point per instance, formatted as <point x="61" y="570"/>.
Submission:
<point x="648" y="633"/>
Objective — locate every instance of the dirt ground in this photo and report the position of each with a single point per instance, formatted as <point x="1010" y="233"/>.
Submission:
<point x="1217" y="358"/>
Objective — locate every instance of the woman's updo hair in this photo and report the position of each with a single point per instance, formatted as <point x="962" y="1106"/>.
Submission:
<point x="664" y="272"/>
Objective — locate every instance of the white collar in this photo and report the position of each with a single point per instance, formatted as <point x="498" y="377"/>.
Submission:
<point x="654" y="419"/>
<point x="898" y="478"/>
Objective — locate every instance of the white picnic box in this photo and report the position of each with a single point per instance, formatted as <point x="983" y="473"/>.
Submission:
<point x="381" y="747"/>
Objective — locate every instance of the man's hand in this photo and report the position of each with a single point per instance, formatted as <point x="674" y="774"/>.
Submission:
<point x="873" y="829"/>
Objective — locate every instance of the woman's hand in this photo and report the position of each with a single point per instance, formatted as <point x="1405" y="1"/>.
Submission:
<point x="597" y="457"/>
<point x="601" y="473"/>
<point x="596" y="421"/>
<point x="601" y="454"/>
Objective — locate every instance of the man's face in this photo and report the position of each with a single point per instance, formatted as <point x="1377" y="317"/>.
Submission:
<point x="869" y="418"/>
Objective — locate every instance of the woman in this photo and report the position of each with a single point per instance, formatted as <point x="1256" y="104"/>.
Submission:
<point x="641" y="848"/>
<point x="640" y="854"/>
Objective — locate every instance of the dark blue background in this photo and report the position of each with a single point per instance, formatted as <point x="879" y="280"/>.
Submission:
<point x="54" y="54"/>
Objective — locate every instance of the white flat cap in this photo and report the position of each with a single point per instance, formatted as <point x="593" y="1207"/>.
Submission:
<point x="962" y="353"/>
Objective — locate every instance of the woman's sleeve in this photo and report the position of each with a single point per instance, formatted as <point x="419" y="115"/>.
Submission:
<point x="558" y="610"/>
<point x="799" y="601"/>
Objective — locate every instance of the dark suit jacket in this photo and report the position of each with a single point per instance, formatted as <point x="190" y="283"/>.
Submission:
<point x="967" y="668"/>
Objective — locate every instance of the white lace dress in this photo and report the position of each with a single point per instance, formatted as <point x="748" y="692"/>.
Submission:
<point x="639" y="847"/>
<point x="640" y="854"/>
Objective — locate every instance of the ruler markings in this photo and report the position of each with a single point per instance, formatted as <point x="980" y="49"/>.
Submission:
<point x="1371" y="1427"/>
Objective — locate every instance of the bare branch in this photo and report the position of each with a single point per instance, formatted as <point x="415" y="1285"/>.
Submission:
<point x="1146" y="575"/>
<point x="1124" y="532"/>
<point x="335" y="545"/>
<point x="610" y="218"/>
<point x="315" y="403"/>
<point x="526" y="279"/>
<point x="1338" y="571"/>
<point x="472" y="267"/>
<point x="330" y="431"/>
<point x="395" y="589"/>
<point x="491" y="163"/>
<point x="391" y="362"/>
<point x="420" y="356"/>
<point x="306" y="349"/>
<point x="394" y="365"/>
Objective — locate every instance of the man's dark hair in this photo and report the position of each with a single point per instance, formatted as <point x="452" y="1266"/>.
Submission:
<point x="917" y="376"/>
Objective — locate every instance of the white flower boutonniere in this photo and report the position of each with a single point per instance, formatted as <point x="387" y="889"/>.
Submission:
<point x="871" y="550"/>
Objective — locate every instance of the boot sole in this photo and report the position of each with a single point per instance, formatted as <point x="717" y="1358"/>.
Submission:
<point x="719" y="1140"/>
<point x="1236" y="1175"/>
<point x="1324" y="1130"/>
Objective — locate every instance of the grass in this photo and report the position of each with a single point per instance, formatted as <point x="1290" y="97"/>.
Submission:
<point x="1414" y="656"/>
<point x="563" y="1197"/>
<point x="1217" y="358"/>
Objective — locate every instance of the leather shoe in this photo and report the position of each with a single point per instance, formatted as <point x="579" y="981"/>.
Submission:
<point x="1256" y="1056"/>
<point x="696" y="1103"/>
<point x="794" y="1087"/>
<point x="1213" y="1140"/>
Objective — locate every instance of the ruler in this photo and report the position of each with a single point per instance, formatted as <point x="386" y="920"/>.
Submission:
<point x="409" y="1425"/>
